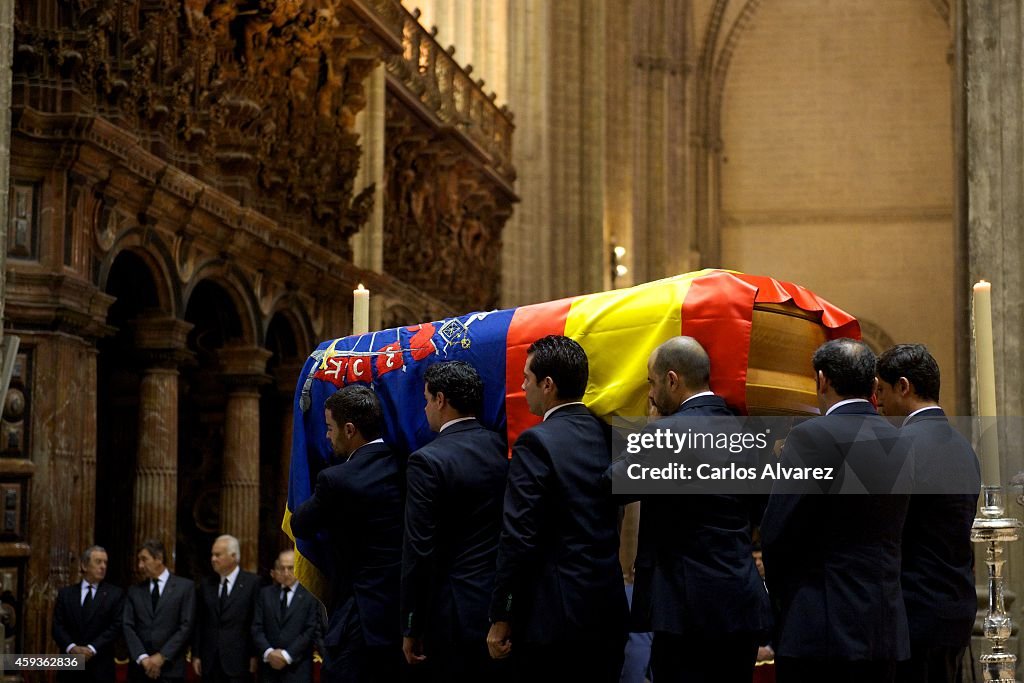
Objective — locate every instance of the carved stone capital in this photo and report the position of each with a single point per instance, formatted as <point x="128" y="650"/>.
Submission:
<point x="244" y="367"/>
<point x="160" y="340"/>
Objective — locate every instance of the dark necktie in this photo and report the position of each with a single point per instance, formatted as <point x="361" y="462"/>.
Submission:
<point x="284" y="601"/>
<point x="87" y="603"/>
<point x="155" y="595"/>
<point x="223" y="595"/>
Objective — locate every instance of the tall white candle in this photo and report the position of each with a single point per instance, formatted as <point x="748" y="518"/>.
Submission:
<point x="360" y="310"/>
<point x="985" y="360"/>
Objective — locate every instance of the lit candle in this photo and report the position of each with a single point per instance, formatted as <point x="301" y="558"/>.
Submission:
<point x="985" y="359"/>
<point x="360" y="310"/>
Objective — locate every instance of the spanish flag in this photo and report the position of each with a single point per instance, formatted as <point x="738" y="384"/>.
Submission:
<point x="617" y="329"/>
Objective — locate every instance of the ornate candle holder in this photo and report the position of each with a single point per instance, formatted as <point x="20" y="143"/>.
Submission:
<point x="994" y="528"/>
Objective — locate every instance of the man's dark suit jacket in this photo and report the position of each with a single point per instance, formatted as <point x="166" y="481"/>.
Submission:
<point x="938" y="556"/>
<point x="223" y="636"/>
<point x="168" y="630"/>
<point x="558" y="574"/>
<point x="695" y="570"/>
<point x="296" y="633"/>
<point x="359" y="504"/>
<point x="100" y="628"/>
<point x="454" y="487"/>
<point x="832" y="560"/>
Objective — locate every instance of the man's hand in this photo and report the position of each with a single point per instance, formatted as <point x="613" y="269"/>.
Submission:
<point x="252" y="665"/>
<point x="197" y="665"/>
<point x="276" y="660"/>
<point x="82" y="650"/>
<point x="412" y="648"/>
<point x="499" y="640"/>
<point x="152" y="665"/>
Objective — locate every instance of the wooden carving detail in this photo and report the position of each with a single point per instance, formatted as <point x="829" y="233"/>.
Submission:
<point x="256" y="97"/>
<point x="443" y="217"/>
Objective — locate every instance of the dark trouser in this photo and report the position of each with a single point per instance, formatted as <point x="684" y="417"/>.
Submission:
<point x="347" y="657"/>
<point x="932" y="665"/>
<point x="697" y="658"/>
<point x="460" y="662"/>
<point x="136" y="674"/>
<point x="816" y="670"/>
<point x="358" y="663"/>
<point x="590" y="661"/>
<point x="90" y="675"/>
<point x="213" y="672"/>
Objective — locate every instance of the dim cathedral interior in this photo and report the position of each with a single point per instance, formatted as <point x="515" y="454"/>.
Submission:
<point x="195" y="188"/>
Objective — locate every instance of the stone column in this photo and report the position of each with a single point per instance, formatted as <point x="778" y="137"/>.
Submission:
<point x="989" y="123"/>
<point x="244" y="370"/>
<point x="368" y="243"/>
<point x="661" y="242"/>
<point x="6" y="59"/>
<point x="527" y="242"/>
<point x="578" y="79"/>
<point x="161" y="344"/>
<point x="87" y="506"/>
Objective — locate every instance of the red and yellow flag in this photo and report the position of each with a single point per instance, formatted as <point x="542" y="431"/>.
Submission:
<point x="618" y="330"/>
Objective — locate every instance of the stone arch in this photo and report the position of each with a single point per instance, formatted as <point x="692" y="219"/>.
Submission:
<point x="233" y="283"/>
<point x="292" y="312"/>
<point x="157" y="259"/>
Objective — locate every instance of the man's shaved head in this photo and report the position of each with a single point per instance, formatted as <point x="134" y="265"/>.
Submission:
<point x="687" y="358"/>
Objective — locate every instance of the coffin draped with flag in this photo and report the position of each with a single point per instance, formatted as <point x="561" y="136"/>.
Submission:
<point x="618" y="330"/>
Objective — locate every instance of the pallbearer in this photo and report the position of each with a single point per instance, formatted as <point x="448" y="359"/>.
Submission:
<point x="697" y="586"/>
<point x="454" y="489"/>
<point x="558" y="607"/>
<point x="832" y="553"/>
<point x="938" y="557"/>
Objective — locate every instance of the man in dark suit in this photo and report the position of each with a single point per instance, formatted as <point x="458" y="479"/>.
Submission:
<point x="87" y="619"/>
<point x="221" y="650"/>
<point x="831" y="556"/>
<point x="454" y="487"/>
<point x="558" y="593"/>
<point x="696" y="584"/>
<point x="159" y="614"/>
<point x="938" y="556"/>
<point x="359" y="505"/>
<point x="285" y="626"/>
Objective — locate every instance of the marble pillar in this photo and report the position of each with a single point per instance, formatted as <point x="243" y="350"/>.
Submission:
<point x="657" y="130"/>
<point x="6" y="59"/>
<point x="156" y="470"/>
<point x="160" y="341"/>
<point x="990" y="216"/>
<point x="526" y="255"/>
<point x="368" y="243"/>
<point x="244" y="370"/>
